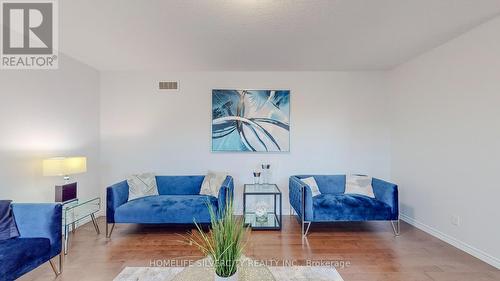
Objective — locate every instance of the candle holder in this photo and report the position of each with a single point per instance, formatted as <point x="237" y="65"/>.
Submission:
<point x="256" y="177"/>
<point x="266" y="173"/>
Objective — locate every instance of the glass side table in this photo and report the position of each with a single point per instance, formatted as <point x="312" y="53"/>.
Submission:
<point x="75" y="211"/>
<point x="260" y="206"/>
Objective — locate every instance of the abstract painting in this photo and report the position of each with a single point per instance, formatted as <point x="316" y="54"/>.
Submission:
<point x="251" y="120"/>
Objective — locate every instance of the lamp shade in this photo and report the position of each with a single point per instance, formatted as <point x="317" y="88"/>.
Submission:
<point x="62" y="166"/>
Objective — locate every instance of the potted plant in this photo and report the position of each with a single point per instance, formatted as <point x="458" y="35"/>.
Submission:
<point x="224" y="242"/>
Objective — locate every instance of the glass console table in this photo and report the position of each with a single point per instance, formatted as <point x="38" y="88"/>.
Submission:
<point x="262" y="206"/>
<point x="77" y="210"/>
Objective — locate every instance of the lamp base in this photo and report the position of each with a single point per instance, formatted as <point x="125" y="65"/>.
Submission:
<point x="65" y="192"/>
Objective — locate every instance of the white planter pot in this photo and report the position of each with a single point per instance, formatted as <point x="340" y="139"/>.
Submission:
<point x="230" y="278"/>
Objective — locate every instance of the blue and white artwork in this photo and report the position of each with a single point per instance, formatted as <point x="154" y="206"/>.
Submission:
<point x="251" y="120"/>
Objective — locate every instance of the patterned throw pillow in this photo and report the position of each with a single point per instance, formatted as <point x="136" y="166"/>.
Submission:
<point x="212" y="183"/>
<point x="359" y="184"/>
<point x="311" y="182"/>
<point x="141" y="185"/>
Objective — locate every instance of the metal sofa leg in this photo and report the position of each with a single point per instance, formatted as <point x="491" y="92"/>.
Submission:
<point x="108" y="233"/>
<point x="395" y="227"/>
<point x="305" y="230"/>
<point x="61" y="257"/>
<point x="54" y="267"/>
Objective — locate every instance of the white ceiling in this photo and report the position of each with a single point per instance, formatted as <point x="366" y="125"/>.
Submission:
<point x="262" y="34"/>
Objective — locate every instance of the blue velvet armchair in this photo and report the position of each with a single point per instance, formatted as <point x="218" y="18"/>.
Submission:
<point x="332" y="205"/>
<point x="40" y="229"/>
<point x="179" y="202"/>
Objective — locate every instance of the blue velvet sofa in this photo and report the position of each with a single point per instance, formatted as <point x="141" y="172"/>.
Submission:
<point x="179" y="202"/>
<point x="40" y="229"/>
<point x="332" y="205"/>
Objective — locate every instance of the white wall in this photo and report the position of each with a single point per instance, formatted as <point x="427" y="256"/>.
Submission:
<point x="47" y="113"/>
<point x="445" y="140"/>
<point x="338" y="125"/>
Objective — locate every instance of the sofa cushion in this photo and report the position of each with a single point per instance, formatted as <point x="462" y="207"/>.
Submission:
<point x="349" y="207"/>
<point x="180" y="209"/>
<point x="20" y="255"/>
<point x="179" y="185"/>
<point x="333" y="184"/>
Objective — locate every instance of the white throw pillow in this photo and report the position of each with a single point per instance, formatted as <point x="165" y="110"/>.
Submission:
<point x="212" y="183"/>
<point x="311" y="182"/>
<point x="357" y="184"/>
<point x="141" y="185"/>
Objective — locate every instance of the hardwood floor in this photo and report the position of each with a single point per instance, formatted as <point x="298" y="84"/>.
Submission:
<point x="369" y="251"/>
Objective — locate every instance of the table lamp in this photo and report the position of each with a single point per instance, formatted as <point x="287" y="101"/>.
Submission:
<point x="64" y="167"/>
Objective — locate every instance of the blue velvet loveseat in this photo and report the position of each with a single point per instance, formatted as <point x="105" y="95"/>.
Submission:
<point x="332" y="205"/>
<point x="40" y="230"/>
<point x="179" y="202"/>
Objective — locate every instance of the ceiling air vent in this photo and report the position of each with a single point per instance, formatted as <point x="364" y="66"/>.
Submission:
<point x="169" y="85"/>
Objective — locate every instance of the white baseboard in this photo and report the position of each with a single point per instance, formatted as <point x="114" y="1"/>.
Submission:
<point x="487" y="258"/>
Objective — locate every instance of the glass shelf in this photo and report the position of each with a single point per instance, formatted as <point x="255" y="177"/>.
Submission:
<point x="77" y="210"/>
<point x="262" y="188"/>
<point x="271" y="223"/>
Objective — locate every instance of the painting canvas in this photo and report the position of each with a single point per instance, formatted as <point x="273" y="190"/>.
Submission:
<point x="251" y="120"/>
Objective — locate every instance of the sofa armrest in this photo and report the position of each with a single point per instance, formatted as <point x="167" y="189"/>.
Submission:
<point x="226" y="193"/>
<point x="295" y="188"/>
<point x="388" y="193"/>
<point x="116" y="195"/>
<point x="40" y="220"/>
